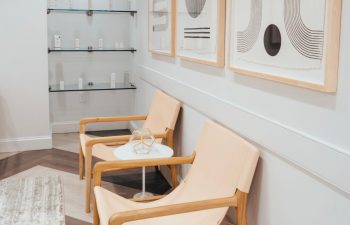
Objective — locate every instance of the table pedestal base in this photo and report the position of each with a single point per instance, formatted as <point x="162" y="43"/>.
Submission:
<point x="143" y="195"/>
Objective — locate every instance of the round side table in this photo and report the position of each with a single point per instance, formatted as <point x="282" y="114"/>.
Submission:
<point x="127" y="152"/>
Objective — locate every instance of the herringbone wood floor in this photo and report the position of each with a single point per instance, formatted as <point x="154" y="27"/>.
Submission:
<point x="67" y="161"/>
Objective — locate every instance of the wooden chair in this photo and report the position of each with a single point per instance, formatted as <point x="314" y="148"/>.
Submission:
<point x="161" y="121"/>
<point x="222" y="170"/>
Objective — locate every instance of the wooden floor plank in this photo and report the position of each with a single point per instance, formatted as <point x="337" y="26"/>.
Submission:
<point x="72" y="221"/>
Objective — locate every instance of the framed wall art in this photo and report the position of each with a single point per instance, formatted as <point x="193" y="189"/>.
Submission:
<point x="201" y="31"/>
<point x="289" y="41"/>
<point x="161" y="23"/>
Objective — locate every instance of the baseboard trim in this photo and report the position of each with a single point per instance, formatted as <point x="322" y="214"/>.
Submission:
<point x="73" y="126"/>
<point x="25" y="144"/>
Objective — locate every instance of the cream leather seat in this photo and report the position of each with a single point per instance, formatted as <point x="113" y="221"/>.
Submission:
<point x="222" y="172"/>
<point x="161" y="121"/>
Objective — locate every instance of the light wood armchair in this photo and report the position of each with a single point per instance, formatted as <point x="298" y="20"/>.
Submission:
<point x="161" y="121"/>
<point x="223" y="167"/>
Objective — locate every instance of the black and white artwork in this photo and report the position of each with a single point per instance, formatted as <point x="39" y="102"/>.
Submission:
<point x="160" y="15"/>
<point x="195" y="7"/>
<point x="283" y="38"/>
<point x="197" y="29"/>
<point x="307" y="41"/>
<point x="160" y="26"/>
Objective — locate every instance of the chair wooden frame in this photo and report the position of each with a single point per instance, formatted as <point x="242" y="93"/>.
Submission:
<point x="85" y="162"/>
<point x="238" y="201"/>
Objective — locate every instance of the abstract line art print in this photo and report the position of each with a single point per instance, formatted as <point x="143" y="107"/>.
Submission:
<point x="306" y="41"/>
<point x="197" y="32"/>
<point x="248" y="37"/>
<point x="195" y="7"/>
<point x="200" y="31"/>
<point x="161" y="26"/>
<point x="288" y="41"/>
<point x="160" y="15"/>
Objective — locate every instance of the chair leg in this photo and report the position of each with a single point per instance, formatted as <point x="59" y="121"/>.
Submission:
<point x="242" y="199"/>
<point x="174" y="180"/>
<point x="88" y="183"/>
<point x="96" y="216"/>
<point x="81" y="164"/>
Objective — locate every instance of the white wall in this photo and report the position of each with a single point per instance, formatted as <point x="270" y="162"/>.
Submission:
<point x="69" y="107"/>
<point x="303" y="174"/>
<point x="24" y="103"/>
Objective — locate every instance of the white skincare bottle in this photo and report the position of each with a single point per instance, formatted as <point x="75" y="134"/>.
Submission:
<point x="77" y="44"/>
<point x="57" y="40"/>
<point x="126" y="78"/>
<point x="100" y="44"/>
<point x="129" y="4"/>
<point x="80" y="83"/>
<point x="52" y="3"/>
<point x="62" y="85"/>
<point x="113" y="80"/>
<point x="116" y="45"/>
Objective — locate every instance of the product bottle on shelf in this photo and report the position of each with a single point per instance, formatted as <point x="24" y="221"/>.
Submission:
<point x="113" y="80"/>
<point x="62" y="85"/>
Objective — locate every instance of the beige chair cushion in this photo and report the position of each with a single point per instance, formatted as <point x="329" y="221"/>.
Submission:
<point x="163" y="113"/>
<point x="112" y="203"/>
<point x="224" y="162"/>
<point x="100" y="151"/>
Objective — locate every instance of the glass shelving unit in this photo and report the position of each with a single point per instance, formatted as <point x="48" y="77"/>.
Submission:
<point x="132" y="50"/>
<point x="94" y="87"/>
<point x="89" y="12"/>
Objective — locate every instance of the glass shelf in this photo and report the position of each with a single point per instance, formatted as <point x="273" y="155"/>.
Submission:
<point x="90" y="12"/>
<point x="94" y="87"/>
<point x="132" y="50"/>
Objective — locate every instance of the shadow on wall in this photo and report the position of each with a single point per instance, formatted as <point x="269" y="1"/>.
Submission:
<point x="6" y="121"/>
<point x="195" y="67"/>
<point x="202" y="68"/>
<point x="178" y="143"/>
<point x="255" y="194"/>
<point x="163" y="58"/>
<point x="328" y="100"/>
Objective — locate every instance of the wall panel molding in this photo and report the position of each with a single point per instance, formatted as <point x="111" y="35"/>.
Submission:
<point x="328" y="162"/>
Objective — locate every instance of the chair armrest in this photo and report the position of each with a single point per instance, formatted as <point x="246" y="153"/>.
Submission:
<point x="134" y="215"/>
<point x="109" y="166"/>
<point x="104" y="140"/>
<point x="88" y="120"/>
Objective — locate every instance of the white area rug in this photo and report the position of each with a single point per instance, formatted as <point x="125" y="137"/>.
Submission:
<point x="32" y="201"/>
<point x="73" y="188"/>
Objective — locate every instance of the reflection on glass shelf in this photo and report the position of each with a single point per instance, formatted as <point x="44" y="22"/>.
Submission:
<point x="94" y="87"/>
<point x="92" y="50"/>
<point x="90" y="12"/>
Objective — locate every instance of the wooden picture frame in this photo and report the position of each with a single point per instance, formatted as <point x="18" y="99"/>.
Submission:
<point x="201" y="31"/>
<point x="323" y="78"/>
<point x="161" y="36"/>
